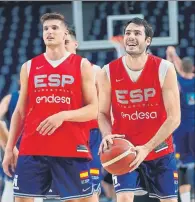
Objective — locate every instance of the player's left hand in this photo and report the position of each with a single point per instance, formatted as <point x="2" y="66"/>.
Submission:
<point x="141" y="153"/>
<point x="50" y="124"/>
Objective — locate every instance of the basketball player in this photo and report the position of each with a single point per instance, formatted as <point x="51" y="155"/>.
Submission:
<point x="71" y="45"/>
<point x="57" y="97"/>
<point x="143" y="92"/>
<point x="7" y="106"/>
<point x="184" y="136"/>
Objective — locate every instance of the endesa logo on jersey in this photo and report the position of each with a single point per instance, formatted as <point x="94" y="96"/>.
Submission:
<point x="139" y="115"/>
<point x="53" y="99"/>
<point x="138" y="96"/>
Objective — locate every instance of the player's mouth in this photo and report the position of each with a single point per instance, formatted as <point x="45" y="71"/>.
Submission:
<point x="131" y="45"/>
<point x="50" y="38"/>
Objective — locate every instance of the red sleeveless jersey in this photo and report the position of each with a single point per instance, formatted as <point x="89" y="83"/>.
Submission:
<point x="138" y="107"/>
<point x="52" y="90"/>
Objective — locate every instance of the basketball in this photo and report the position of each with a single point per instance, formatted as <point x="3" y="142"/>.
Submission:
<point x="117" y="158"/>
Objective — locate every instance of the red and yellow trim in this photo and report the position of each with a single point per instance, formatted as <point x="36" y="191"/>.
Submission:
<point x="84" y="174"/>
<point x="94" y="171"/>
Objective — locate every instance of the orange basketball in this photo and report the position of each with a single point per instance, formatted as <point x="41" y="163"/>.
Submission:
<point x="117" y="158"/>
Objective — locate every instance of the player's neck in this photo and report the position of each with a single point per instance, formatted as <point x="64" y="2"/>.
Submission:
<point x="55" y="53"/>
<point x="188" y="75"/>
<point x="136" y="62"/>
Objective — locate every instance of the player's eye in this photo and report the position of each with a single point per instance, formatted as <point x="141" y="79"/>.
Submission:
<point x="137" y="33"/>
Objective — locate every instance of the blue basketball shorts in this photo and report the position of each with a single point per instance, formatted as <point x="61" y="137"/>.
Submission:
<point x="184" y="138"/>
<point x="158" y="177"/>
<point x="70" y="177"/>
<point x="95" y="164"/>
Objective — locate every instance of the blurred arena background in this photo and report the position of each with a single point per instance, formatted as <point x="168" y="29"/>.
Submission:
<point x="95" y="23"/>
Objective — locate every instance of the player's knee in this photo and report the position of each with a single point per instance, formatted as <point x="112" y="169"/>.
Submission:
<point x="185" y="188"/>
<point x="125" y="197"/>
<point x="21" y="199"/>
<point x="169" y="200"/>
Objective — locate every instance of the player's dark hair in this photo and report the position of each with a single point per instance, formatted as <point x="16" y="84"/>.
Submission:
<point x="141" y="22"/>
<point x="71" y="31"/>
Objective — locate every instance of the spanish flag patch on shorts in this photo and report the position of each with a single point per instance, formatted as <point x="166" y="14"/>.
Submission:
<point x="94" y="171"/>
<point x="175" y="175"/>
<point x="84" y="174"/>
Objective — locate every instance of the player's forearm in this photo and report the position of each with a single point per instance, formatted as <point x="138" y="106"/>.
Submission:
<point x="177" y="63"/>
<point x="17" y="123"/>
<point x="3" y="135"/>
<point x="105" y="124"/>
<point x="86" y="113"/>
<point x="164" y="132"/>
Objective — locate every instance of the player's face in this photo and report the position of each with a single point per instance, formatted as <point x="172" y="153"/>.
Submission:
<point x="135" y="40"/>
<point x="54" y="32"/>
<point x="71" y="44"/>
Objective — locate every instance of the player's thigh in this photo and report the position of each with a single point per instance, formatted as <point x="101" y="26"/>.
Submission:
<point x="71" y="178"/>
<point x="125" y="197"/>
<point x="32" y="177"/>
<point x="164" y="179"/>
<point x="169" y="200"/>
<point x="21" y="199"/>
<point x="92" y="198"/>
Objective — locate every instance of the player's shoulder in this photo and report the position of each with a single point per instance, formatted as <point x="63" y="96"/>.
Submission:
<point x="162" y="61"/>
<point x="116" y="61"/>
<point x="37" y="57"/>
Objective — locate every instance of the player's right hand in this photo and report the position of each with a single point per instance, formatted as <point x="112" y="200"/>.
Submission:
<point x="108" y="140"/>
<point x="8" y="163"/>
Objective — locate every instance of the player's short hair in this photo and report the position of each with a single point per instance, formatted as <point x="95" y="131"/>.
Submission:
<point x="53" y="16"/>
<point x="187" y="65"/>
<point x="138" y="21"/>
<point x="71" y="31"/>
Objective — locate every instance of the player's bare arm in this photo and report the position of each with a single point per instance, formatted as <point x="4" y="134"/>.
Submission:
<point x="171" y="100"/>
<point x="172" y="56"/>
<point x="104" y="117"/>
<point x="4" y="105"/>
<point x="3" y="135"/>
<point x="17" y="122"/>
<point x="86" y="113"/>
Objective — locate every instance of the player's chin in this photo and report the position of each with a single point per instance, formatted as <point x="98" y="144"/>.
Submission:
<point x="49" y="43"/>
<point x="132" y="52"/>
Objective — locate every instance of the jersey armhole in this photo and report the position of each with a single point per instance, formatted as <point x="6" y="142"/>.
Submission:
<point x="107" y="69"/>
<point x="164" y="66"/>
<point x="28" y="64"/>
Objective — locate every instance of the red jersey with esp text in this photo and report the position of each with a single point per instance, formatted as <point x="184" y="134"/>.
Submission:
<point x="138" y="107"/>
<point x="50" y="91"/>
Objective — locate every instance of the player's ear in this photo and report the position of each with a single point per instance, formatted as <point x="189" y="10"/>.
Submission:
<point x="65" y="34"/>
<point x="148" y="40"/>
<point x="76" y="44"/>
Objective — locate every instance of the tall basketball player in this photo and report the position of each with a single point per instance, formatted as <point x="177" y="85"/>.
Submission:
<point x="57" y="97"/>
<point x="142" y="90"/>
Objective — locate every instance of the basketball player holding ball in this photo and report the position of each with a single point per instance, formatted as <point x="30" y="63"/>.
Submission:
<point x="142" y="90"/>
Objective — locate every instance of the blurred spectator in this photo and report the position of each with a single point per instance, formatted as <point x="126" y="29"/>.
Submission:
<point x="184" y="136"/>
